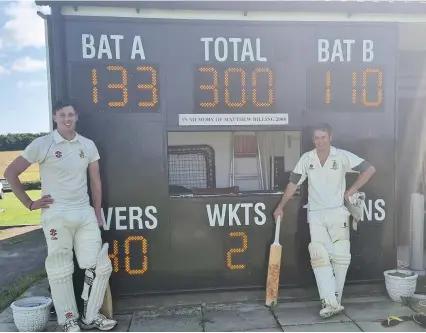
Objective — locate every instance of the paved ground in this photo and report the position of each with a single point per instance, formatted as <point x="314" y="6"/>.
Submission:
<point x="20" y="255"/>
<point x="361" y="314"/>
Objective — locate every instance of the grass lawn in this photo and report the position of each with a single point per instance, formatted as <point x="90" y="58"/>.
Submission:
<point x="31" y="174"/>
<point x="14" y="213"/>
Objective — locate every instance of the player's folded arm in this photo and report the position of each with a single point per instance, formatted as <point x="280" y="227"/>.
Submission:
<point x="362" y="167"/>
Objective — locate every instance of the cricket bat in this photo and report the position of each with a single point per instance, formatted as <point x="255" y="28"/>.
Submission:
<point x="106" y="308"/>
<point x="274" y="267"/>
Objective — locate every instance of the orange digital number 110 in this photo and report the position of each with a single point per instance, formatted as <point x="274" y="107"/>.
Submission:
<point x="365" y="100"/>
<point x="123" y="86"/>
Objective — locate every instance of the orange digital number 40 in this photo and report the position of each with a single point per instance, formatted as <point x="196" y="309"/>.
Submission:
<point x="144" y="255"/>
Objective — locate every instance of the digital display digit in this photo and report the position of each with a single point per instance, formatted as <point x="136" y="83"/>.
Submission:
<point x="345" y="87"/>
<point x="242" y="237"/>
<point x="125" y="87"/>
<point x="235" y="88"/>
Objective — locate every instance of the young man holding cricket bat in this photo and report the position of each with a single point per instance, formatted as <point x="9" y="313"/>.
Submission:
<point x="325" y="168"/>
<point x="68" y="220"/>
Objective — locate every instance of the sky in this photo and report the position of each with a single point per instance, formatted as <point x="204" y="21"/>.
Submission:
<point x="24" y="105"/>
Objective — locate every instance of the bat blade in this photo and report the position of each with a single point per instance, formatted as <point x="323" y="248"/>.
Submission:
<point x="106" y="308"/>
<point x="274" y="267"/>
<point x="273" y="280"/>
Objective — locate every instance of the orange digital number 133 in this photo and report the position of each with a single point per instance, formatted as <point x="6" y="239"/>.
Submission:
<point x="123" y="86"/>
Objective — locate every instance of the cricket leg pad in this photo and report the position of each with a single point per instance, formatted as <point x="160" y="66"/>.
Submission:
<point x="59" y="268"/>
<point x="95" y="284"/>
<point x="341" y="260"/>
<point x="324" y="276"/>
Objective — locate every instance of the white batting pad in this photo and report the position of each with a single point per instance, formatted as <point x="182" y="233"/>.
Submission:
<point x="60" y="267"/>
<point x="94" y="294"/>
<point x="323" y="271"/>
<point x="341" y="259"/>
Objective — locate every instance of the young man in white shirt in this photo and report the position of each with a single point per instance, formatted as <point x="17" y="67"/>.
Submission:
<point x="325" y="168"/>
<point x="68" y="220"/>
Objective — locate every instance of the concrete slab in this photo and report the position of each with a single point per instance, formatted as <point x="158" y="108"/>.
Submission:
<point x="10" y="327"/>
<point x="238" y="317"/>
<point x="123" y="305"/>
<point x="370" y="326"/>
<point x="38" y="289"/>
<point x="326" y="327"/>
<point x="166" y="324"/>
<point x="417" y="304"/>
<point x="52" y="326"/>
<point x="304" y="313"/>
<point x="379" y="309"/>
<point x="264" y="330"/>
<point x="180" y="319"/>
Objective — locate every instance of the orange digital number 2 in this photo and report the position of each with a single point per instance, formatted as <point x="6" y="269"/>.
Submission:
<point x="144" y="250"/>
<point x="242" y="249"/>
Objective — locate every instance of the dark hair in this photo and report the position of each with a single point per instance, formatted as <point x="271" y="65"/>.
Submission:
<point x="60" y="104"/>
<point x="322" y="127"/>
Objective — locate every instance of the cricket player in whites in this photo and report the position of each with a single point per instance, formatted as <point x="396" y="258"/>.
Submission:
<point x="67" y="218"/>
<point x="325" y="168"/>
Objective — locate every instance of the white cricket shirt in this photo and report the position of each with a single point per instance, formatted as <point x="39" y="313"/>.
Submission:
<point x="326" y="184"/>
<point x="63" y="168"/>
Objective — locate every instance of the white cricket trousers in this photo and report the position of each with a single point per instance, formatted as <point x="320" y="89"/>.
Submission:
<point x="76" y="230"/>
<point x="65" y="231"/>
<point x="327" y="226"/>
<point x="330" y="251"/>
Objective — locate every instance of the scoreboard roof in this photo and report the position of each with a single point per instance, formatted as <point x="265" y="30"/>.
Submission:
<point x="347" y="6"/>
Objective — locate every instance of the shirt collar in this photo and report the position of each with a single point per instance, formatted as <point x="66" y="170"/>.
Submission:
<point x="333" y="152"/>
<point x="59" y="138"/>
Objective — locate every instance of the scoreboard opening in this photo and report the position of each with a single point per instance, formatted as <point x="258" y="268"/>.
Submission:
<point x="231" y="163"/>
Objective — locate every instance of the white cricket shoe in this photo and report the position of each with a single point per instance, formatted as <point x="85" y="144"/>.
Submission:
<point x="100" y="322"/>
<point x="329" y="311"/>
<point x="71" y="325"/>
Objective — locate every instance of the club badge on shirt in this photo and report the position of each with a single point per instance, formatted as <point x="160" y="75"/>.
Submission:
<point x="81" y="153"/>
<point x="335" y="167"/>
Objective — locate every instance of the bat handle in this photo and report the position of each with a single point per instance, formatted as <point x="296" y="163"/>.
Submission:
<point x="277" y="231"/>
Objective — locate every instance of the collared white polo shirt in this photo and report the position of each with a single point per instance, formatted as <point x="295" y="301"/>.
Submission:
<point x="326" y="184"/>
<point x="63" y="168"/>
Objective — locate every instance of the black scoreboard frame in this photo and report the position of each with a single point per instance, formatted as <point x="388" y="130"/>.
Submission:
<point x="171" y="273"/>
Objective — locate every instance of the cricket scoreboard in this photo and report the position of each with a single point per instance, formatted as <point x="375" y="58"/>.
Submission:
<point x="133" y="79"/>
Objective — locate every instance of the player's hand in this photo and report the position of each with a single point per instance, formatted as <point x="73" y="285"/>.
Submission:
<point x="348" y="193"/>
<point x="279" y="211"/>
<point x="100" y="221"/>
<point x="44" y="202"/>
